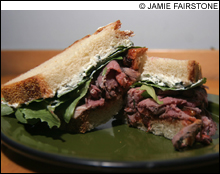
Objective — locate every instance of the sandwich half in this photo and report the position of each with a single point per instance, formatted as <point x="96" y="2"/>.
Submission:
<point x="170" y="100"/>
<point x="81" y="87"/>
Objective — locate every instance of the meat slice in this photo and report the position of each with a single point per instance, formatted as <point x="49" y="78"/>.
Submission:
<point x="168" y="109"/>
<point x="209" y="125"/>
<point x="195" y="97"/>
<point x="113" y="78"/>
<point x="127" y="77"/>
<point x="187" y="135"/>
<point x="174" y="112"/>
<point x="108" y="72"/>
<point x="150" y="105"/>
<point x="111" y="85"/>
<point x="205" y="139"/>
<point x="94" y="91"/>
<point x="132" y="74"/>
<point x="107" y="79"/>
<point x="90" y="104"/>
<point x="122" y="79"/>
<point x="134" y="96"/>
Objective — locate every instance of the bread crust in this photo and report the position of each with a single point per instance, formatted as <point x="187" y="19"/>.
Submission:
<point x="137" y="63"/>
<point x="194" y="70"/>
<point x="23" y="91"/>
<point x="87" y="36"/>
<point x="116" y="26"/>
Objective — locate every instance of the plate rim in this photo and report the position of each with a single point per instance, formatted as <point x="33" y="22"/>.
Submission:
<point x="110" y="165"/>
<point x="105" y="165"/>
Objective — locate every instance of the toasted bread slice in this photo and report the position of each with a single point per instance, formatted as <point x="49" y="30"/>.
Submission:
<point x="66" y="68"/>
<point x="171" y="72"/>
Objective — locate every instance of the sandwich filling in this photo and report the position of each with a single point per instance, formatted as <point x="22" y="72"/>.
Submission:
<point x="179" y="115"/>
<point x="102" y="82"/>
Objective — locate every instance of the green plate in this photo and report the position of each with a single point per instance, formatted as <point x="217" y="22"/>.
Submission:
<point x="113" y="146"/>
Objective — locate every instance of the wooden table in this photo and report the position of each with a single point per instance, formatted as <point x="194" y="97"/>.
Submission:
<point x="12" y="162"/>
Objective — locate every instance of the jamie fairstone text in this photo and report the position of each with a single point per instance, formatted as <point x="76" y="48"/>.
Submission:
<point x="180" y="6"/>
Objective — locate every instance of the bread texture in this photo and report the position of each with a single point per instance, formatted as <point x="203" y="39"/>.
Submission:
<point x="66" y="68"/>
<point x="171" y="71"/>
<point x="90" y="119"/>
<point x="165" y="127"/>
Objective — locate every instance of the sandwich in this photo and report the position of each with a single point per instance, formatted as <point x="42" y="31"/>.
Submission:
<point x="81" y="87"/>
<point x="170" y="100"/>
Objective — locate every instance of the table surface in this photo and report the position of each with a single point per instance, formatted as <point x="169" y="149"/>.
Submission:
<point x="12" y="162"/>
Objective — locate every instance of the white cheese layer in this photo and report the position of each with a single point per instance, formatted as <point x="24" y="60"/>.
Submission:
<point x="14" y="105"/>
<point x="163" y="80"/>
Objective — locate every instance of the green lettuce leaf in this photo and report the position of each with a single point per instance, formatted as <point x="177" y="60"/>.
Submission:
<point x="150" y="92"/>
<point x="32" y="113"/>
<point x="37" y="111"/>
<point x="43" y="114"/>
<point x="20" y="116"/>
<point x="6" y="110"/>
<point x="81" y="93"/>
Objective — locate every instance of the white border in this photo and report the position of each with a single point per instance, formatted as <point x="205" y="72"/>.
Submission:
<point x="98" y="5"/>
